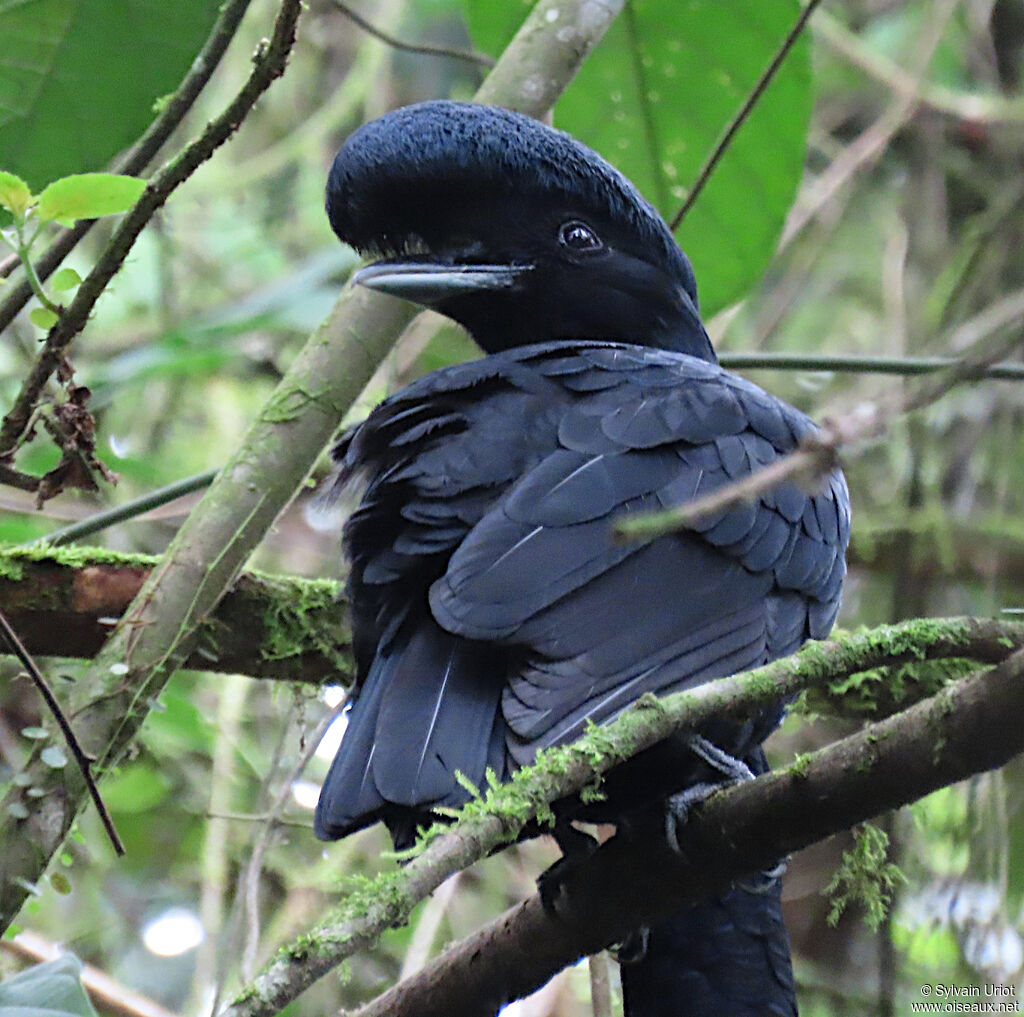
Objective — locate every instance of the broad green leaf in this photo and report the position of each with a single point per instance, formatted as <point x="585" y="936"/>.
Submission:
<point x="64" y="280"/>
<point x="15" y="195"/>
<point x="88" y="196"/>
<point x="655" y="96"/>
<point x="52" y="989"/>
<point x="42" y="317"/>
<point x="78" y="78"/>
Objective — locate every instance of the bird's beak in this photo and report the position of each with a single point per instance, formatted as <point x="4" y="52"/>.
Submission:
<point x="430" y="283"/>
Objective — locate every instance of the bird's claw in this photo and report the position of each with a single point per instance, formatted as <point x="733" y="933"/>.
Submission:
<point x="576" y="847"/>
<point x="633" y="948"/>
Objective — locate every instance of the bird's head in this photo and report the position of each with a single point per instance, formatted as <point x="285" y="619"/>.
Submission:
<point x="515" y="230"/>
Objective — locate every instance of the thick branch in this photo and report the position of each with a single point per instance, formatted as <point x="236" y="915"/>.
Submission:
<point x="161" y="628"/>
<point x="563" y="772"/>
<point x="63" y="604"/>
<point x="967" y="728"/>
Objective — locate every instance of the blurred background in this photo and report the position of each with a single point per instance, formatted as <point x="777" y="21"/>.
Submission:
<point x="877" y="209"/>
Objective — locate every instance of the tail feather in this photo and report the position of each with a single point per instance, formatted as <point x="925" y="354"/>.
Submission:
<point x="727" y="956"/>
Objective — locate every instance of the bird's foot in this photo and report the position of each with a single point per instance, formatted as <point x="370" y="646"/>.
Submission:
<point x="633" y="948"/>
<point x="576" y="847"/>
<point x="679" y="806"/>
<point x="764" y="881"/>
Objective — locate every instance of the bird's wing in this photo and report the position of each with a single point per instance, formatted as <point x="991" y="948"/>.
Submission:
<point x="599" y="622"/>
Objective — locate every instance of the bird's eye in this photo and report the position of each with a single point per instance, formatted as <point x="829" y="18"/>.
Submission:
<point x="578" y="236"/>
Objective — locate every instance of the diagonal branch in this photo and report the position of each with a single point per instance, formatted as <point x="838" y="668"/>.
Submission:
<point x="562" y="772"/>
<point x="83" y="760"/>
<point x="969" y="727"/>
<point x="760" y="86"/>
<point x="268" y="65"/>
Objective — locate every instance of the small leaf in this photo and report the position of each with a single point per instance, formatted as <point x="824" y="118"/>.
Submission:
<point x="88" y="196"/>
<point x="60" y="883"/>
<point x="18" y="810"/>
<point x="42" y="317"/>
<point x="35" y="733"/>
<point x="53" y="756"/>
<point x="14" y="194"/>
<point x="65" y="279"/>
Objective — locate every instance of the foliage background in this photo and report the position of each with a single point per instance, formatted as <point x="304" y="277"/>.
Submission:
<point x="908" y="222"/>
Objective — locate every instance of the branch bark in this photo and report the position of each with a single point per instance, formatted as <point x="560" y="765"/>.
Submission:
<point x="161" y="628"/>
<point x="63" y="604"/>
<point x="967" y="728"/>
<point x="562" y="772"/>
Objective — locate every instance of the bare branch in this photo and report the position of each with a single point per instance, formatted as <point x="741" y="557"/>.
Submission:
<point x="762" y="83"/>
<point x="424" y="49"/>
<point x="83" y="760"/>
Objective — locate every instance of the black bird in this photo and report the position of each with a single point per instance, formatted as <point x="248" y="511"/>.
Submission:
<point x="492" y="613"/>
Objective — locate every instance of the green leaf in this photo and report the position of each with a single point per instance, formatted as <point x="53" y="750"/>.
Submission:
<point x="14" y="194"/>
<point x="78" y="78"/>
<point x="88" y="196"/>
<point x="65" y="279"/>
<point x="60" y="883"/>
<point x="656" y="95"/>
<point x="35" y="733"/>
<point x="42" y="317"/>
<point x="54" y="757"/>
<point x="53" y="989"/>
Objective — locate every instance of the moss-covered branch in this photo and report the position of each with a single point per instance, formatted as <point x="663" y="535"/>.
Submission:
<point x="63" y="601"/>
<point x="562" y="772"/>
<point x="969" y="727"/>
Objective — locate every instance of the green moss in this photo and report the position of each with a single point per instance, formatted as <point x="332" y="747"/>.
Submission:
<point x="801" y="764"/>
<point x="71" y="556"/>
<point x="294" y="619"/>
<point x="866" y="877"/>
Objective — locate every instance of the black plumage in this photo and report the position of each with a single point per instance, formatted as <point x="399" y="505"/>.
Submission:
<point x="493" y="614"/>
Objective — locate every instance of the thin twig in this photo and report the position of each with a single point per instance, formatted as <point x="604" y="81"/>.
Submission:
<point x="81" y="756"/>
<point x="131" y="509"/>
<point x="818" y="453"/>
<point x="249" y="884"/>
<point x="874" y="140"/>
<point x="843" y="364"/>
<point x="744" y="112"/>
<point x="140" y="155"/>
<point x="426" y="49"/>
<point x="268" y="65"/>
